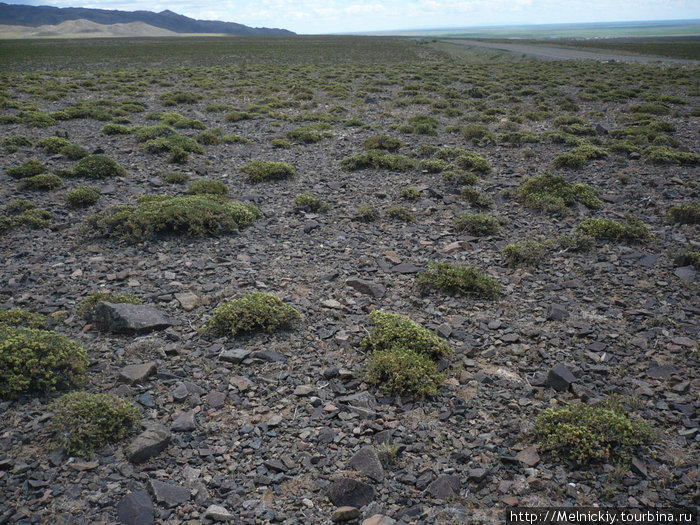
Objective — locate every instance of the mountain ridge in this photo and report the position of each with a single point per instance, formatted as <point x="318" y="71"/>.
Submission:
<point x="35" y="16"/>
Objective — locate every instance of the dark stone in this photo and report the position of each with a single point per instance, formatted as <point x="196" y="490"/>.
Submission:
<point x="149" y="443"/>
<point x="685" y="273"/>
<point x="350" y="492"/>
<point x="405" y="268"/>
<point x="136" y="508"/>
<point x="367" y="287"/>
<point x="275" y="465"/>
<point x="169" y="494"/>
<point x="234" y="355"/>
<point x="138" y="373"/>
<point x="638" y="467"/>
<point x="444" y="487"/>
<point x="560" y="378"/>
<point x="600" y="129"/>
<point x="367" y="461"/>
<point x="125" y="318"/>
<point x="270" y="356"/>
<point x="184" y="423"/>
<point x="556" y="312"/>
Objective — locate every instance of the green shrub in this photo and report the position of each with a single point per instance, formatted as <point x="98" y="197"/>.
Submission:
<point x="192" y="215"/>
<point x="82" y="196"/>
<point x="179" y="121"/>
<point x="235" y="116"/>
<point x="310" y="134"/>
<point x="24" y="213"/>
<point x="83" y="422"/>
<point x="382" y="142"/>
<point x="281" y="144"/>
<point x="421" y="124"/>
<point x="173" y="143"/>
<point x="577" y="157"/>
<point x="554" y="194"/>
<point x="12" y="144"/>
<point x="473" y="162"/>
<point x="651" y="109"/>
<point x="631" y="230"/>
<point x="518" y="138"/>
<point x="210" y="137"/>
<point x="146" y="133"/>
<point x="178" y="155"/>
<point x="38" y="119"/>
<point x="259" y="171"/>
<point x="115" y="129"/>
<point x="460" y="177"/>
<point x="22" y="319"/>
<point x="378" y="159"/>
<point x="180" y="97"/>
<point x="665" y="155"/>
<point x="460" y="279"/>
<point x="409" y="193"/>
<point x="86" y="307"/>
<point x="688" y="258"/>
<point x="403" y="356"/>
<point x="393" y="330"/>
<point x="98" y="167"/>
<point x="475" y="132"/>
<point x="476" y="198"/>
<point x="401" y="213"/>
<point x="74" y="152"/>
<point x="27" y="169"/>
<point x="254" y="312"/>
<point x="309" y="202"/>
<point x="367" y="214"/>
<point x="433" y="165"/>
<point x="236" y="139"/>
<point x="587" y="434"/>
<point x="526" y="253"/>
<point x="207" y="187"/>
<point x="38" y="361"/>
<point x="43" y="181"/>
<point x="684" y="214"/>
<point x="175" y="177"/>
<point x="52" y="144"/>
<point x="477" y="224"/>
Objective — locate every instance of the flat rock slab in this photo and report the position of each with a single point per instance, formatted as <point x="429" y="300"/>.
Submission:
<point x="218" y="513"/>
<point x="350" y="492"/>
<point x="138" y="373"/>
<point x="169" y="494"/>
<point x="184" y="423"/>
<point x="125" y="318"/>
<point x="367" y="287"/>
<point x="444" y="487"/>
<point x="366" y="460"/>
<point x="346" y="513"/>
<point x="560" y="378"/>
<point x="405" y="268"/>
<point x="528" y="456"/>
<point x="149" y="443"/>
<point x="188" y="300"/>
<point x="234" y="355"/>
<point x="136" y="508"/>
<point x="379" y="519"/>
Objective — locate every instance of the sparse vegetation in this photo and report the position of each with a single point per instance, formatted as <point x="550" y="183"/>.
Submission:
<point x="27" y="169"/>
<point x="684" y="214"/>
<point x="310" y="203"/>
<point x="382" y="142"/>
<point x="378" y="159"/>
<point x="254" y="312"/>
<point x="631" y="230"/>
<point x="207" y="187"/>
<point x="460" y="279"/>
<point x="98" y="167"/>
<point x="260" y="171"/>
<point x="401" y="213"/>
<point x="477" y="224"/>
<point x="43" y="181"/>
<point x="526" y="253"/>
<point x="554" y="194"/>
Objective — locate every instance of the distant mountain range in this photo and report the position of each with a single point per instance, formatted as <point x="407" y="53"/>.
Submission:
<point x="33" y="16"/>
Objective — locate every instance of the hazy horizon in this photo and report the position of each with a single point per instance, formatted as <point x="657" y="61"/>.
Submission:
<point x="362" y="16"/>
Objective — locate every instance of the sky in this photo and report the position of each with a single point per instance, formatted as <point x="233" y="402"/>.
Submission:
<point x="347" y="16"/>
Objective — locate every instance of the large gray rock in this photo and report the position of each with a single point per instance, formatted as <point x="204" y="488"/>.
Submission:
<point x="366" y="460"/>
<point x="367" y="287"/>
<point x="138" y="373"/>
<point x="445" y="487"/>
<point x="350" y="492"/>
<point x="169" y="494"/>
<point x="125" y="318"/>
<point x="560" y="378"/>
<point x="149" y="443"/>
<point x="136" y="508"/>
<point x="184" y="423"/>
<point x="218" y="513"/>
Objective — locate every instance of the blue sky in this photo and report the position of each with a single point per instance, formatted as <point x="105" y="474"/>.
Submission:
<point x="342" y="16"/>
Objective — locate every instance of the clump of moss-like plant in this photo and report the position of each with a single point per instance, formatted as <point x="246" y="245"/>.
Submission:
<point x="22" y="319"/>
<point x="175" y="177"/>
<point x="207" y="187"/>
<point x="192" y="215"/>
<point x="589" y="434"/>
<point x="82" y="196"/>
<point x="86" y="307"/>
<point x="378" y="159"/>
<point x="684" y="214"/>
<point x="459" y="279"/>
<point x="62" y="146"/>
<point x="24" y="213"/>
<point x="554" y="194"/>
<point x="83" y="422"/>
<point x="476" y="198"/>
<point x="460" y="177"/>
<point x="631" y="230"/>
<point x="404" y="355"/>
<point x="26" y="169"/>
<point x="473" y="162"/>
<point x="367" y="214"/>
<point x="41" y="182"/>
<point x="254" y="312"/>
<point x="421" y="124"/>
<point x="409" y="193"/>
<point x="281" y="144"/>
<point x="478" y="224"/>
<point x="173" y="98"/>
<point x="666" y="155"/>
<point x="311" y="133"/>
<point x="577" y="157"/>
<point x="383" y="142"/>
<point x="115" y="129"/>
<point x="309" y="202"/>
<point x="38" y="361"/>
<point x="260" y="171"/>
<point x="98" y="167"/>
<point x="13" y="143"/>
<point x="401" y="213"/>
<point x="526" y="253"/>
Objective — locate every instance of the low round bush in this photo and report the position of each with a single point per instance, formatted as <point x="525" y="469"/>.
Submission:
<point x="392" y="330"/>
<point x="477" y="224"/>
<point x="98" y="167"/>
<point x="27" y="169"/>
<point x="39" y="361"/>
<point x="309" y="202"/>
<point x="401" y="371"/>
<point x="254" y="312"/>
<point x="82" y="196"/>
<point x="207" y="187"/>
<point x="457" y="278"/>
<point x="259" y="171"/>
<point x="22" y="318"/>
<point x="83" y="422"/>
<point x="43" y="181"/>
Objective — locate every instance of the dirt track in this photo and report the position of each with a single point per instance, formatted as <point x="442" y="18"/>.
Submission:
<point x="546" y="52"/>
